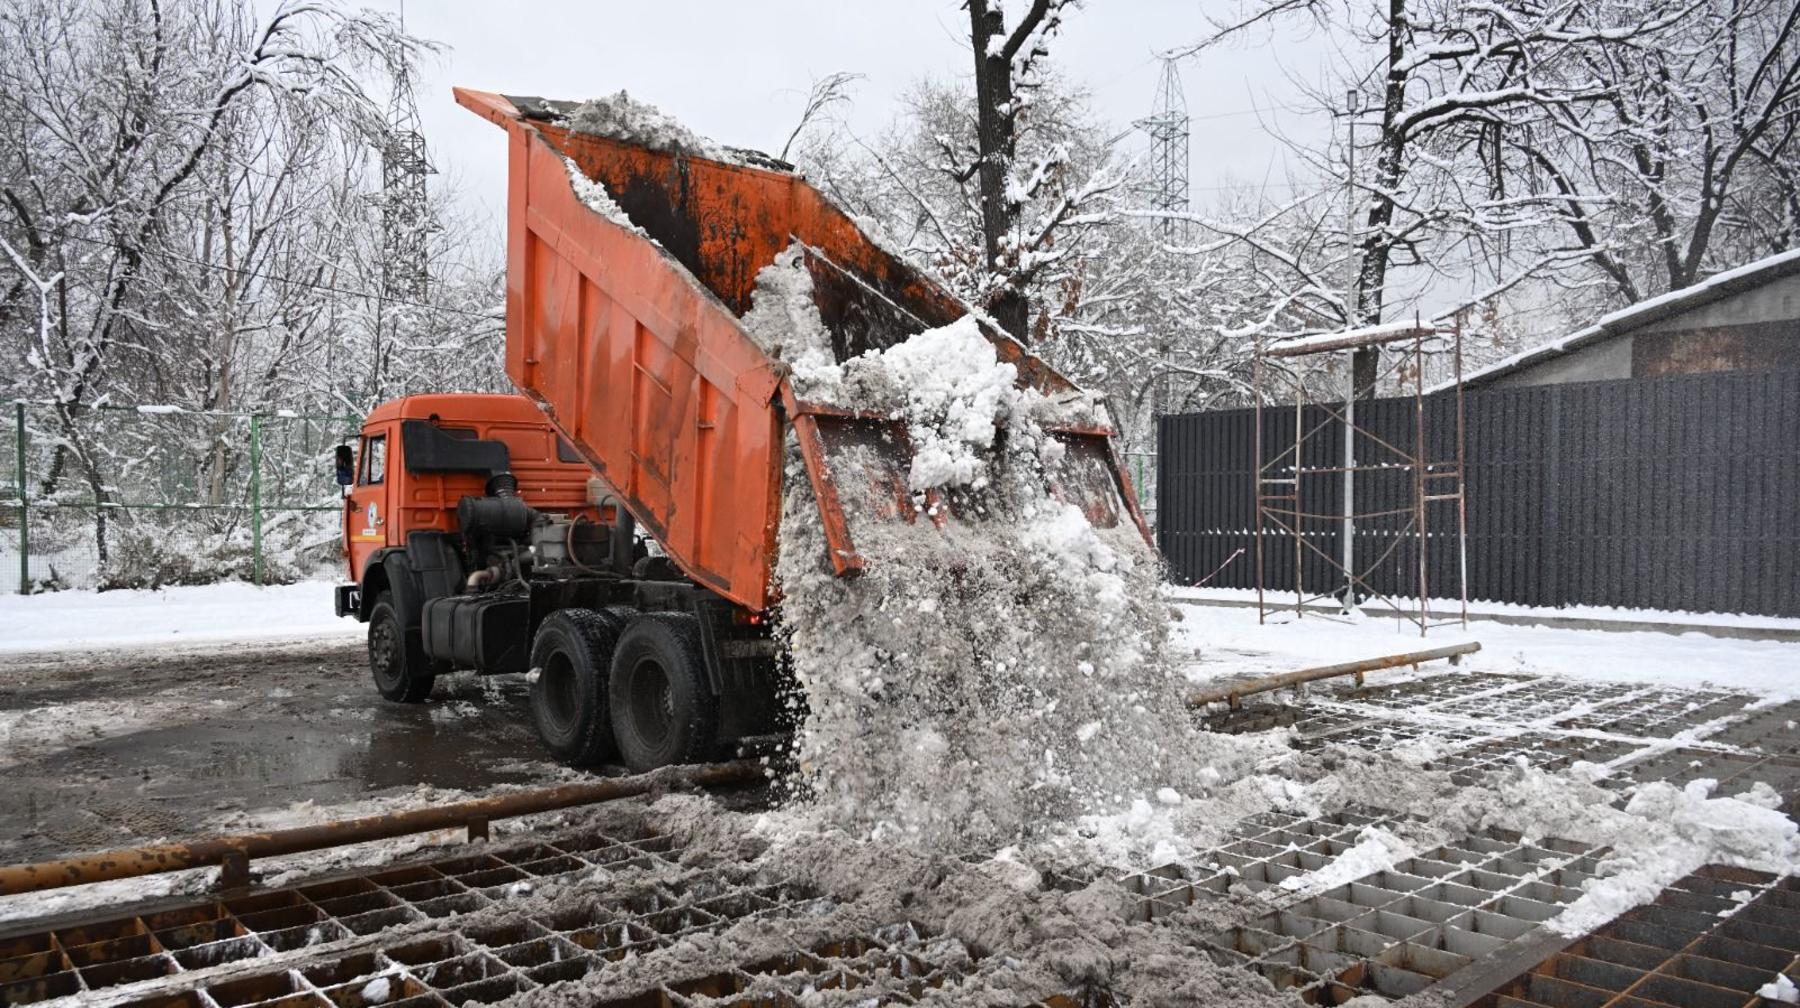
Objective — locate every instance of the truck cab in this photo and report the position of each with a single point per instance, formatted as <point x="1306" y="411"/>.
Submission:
<point x="475" y="537"/>
<point x="389" y="498"/>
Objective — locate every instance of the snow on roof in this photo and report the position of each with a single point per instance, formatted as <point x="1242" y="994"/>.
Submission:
<point x="1713" y="288"/>
<point x="1386" y="332"/>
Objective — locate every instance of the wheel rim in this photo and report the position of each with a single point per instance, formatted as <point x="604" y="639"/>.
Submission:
<point x="561" y="692"/>
<point x="652" y="703"/>
<point x="383" y="644"/>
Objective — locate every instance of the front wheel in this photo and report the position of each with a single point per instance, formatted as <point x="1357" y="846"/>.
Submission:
<point x="397" y="655"/>
<point x="662" y="708"/>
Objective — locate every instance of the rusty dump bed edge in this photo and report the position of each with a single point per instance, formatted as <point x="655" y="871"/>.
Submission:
<point x="628" y="339"/>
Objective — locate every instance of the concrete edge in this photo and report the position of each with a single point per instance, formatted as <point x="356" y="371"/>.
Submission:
<point x="1559" y="622"/>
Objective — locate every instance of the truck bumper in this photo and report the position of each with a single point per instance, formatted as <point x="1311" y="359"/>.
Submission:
<point x="349" y="600"/>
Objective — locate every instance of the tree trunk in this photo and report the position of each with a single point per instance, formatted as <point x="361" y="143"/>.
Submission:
<point x="1376" y="247"/>
<point x="995" y="144"/>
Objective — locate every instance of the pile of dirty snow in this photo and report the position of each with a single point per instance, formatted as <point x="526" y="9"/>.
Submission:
<point x="985" y="681"/>
<point x="624" y="118"/>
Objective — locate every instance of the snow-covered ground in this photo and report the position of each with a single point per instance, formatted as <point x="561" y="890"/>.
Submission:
<point x="233" y="611"/>
<point x="1511" y="611"/>
<point x="1229" y="641"/>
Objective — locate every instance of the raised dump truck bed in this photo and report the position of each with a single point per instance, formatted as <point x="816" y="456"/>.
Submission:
<point x="628" y="335"/>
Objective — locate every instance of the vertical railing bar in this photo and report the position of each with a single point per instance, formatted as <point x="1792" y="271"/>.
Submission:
<point x="24" y="506"/>
<point x="256" y="515"/>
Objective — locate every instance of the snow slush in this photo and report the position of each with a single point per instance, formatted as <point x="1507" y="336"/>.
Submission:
<point x="985" y="681"/>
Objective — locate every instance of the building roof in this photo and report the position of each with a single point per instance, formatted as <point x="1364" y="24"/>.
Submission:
<point x="1714" y="288"/>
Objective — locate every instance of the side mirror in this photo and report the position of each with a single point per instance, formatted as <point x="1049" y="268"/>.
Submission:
<point x="346" y="465"/>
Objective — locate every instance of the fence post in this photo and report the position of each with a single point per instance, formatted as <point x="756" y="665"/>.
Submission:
<point x="24" y="509"/>
<point x="1553" y="557"/>
<point x="256" y="518"/>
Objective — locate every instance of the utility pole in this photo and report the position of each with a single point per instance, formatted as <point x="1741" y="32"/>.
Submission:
<point x="1352" y="105"/>
<point x="1167" y="125"/>
<point x="1167" y="190"/>
<point x="406" y="218"/>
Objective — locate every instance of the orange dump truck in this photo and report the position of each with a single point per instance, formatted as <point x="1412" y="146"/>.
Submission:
<point x="513" y="533"/>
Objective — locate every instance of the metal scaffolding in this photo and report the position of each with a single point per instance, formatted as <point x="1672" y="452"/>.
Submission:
<point x="1284" y="505"/>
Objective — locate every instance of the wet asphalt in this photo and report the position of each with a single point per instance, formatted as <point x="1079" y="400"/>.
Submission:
<point x="100" y="749"/>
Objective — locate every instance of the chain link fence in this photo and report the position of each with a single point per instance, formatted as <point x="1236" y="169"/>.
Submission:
<point x="146" y="496"/>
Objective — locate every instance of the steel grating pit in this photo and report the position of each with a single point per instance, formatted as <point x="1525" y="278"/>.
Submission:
<point x="417" y="929"/>
<point x="429" y="930"/>
<point x="1390" y="933"/>
<point x="420" y="928"/>
<point x="1477" y="724"/>
<point x="1711" y="940"/>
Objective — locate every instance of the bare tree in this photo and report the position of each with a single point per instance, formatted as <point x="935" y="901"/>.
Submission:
<point x="185" y="211"/>
<point x="832" y="89"/>
<point x="1685" y="162"/>
<point x="1460" y="91"/>
<point x="1007" y="72"/>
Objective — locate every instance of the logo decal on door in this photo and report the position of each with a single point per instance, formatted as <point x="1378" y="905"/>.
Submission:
<point x="371" y="518"/>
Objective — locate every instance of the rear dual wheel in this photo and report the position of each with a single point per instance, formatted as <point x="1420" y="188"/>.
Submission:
<point x="615" y="684"/>
<point x="664" y="711"/>
<point x="571" y="656"/>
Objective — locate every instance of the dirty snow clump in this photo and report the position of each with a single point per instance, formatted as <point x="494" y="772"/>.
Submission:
<point x="1780" y="989"/>
<point x="624" y="118"/>
<point x="957" y="394"/>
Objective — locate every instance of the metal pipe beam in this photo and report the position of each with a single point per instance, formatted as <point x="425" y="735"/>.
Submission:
<point x="233" y="853"/>
<point x="1237" y="691"/>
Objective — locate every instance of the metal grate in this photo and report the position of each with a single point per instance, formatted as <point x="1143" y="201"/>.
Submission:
<point x="1389" y="933"/>
<point x="96" y="956"/>
<point x="404" y="937"/>
<point x="1710" y="940"/>
<point x="1476" y="724"/>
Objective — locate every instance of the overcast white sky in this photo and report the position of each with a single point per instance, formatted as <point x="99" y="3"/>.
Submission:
<point x="738" y="71"/>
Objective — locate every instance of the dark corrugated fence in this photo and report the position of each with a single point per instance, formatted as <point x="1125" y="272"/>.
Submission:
<point x="1679" y="492"/>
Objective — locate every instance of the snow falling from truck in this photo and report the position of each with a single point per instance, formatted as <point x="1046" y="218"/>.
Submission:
<point x="982" y="682"/>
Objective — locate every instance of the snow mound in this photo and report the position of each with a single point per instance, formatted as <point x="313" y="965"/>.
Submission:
<point x="624" y="118"/>
<point x="1690" y="828"/>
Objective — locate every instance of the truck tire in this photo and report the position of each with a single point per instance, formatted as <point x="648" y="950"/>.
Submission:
<point x="572" y="656"/>
<point x="663" y="711"/>
<point x="396" y="655"/>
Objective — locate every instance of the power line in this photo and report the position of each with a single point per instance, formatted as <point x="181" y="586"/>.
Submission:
<point x="275" y="278"/>
<point x="1256" y="111"/>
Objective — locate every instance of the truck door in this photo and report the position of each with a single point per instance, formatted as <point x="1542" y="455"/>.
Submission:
<point x="367" y="508"/>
